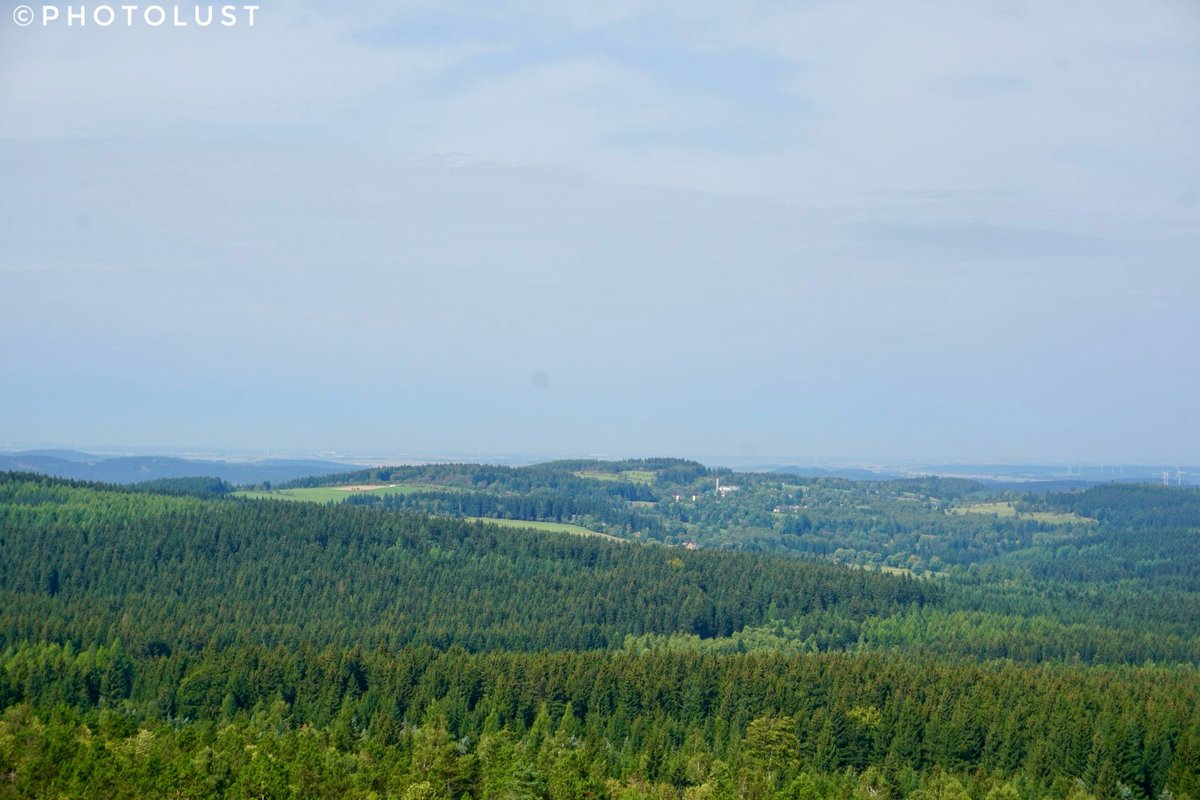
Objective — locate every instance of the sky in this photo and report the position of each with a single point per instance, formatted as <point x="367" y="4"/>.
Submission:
<point x="824" y="230"/>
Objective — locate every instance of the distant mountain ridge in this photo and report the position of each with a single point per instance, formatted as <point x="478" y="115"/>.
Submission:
<point x="136" y="469"/>
<point x="1016" y="477"/>
<point x="848" y="473"/>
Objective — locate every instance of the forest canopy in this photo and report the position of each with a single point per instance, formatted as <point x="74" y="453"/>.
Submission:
<point x="178" y="639"/>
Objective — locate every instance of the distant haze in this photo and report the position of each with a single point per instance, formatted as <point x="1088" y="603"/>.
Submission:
<point x="859" y="230"/>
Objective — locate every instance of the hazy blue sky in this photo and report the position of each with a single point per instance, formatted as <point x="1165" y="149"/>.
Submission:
<point x="869" y="230"/>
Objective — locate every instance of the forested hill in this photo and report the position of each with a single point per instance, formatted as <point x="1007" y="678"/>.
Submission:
<point x="86" y="563"/>
<point x="1111" y="533"/>
<point x="138" y="469"/>
<point x="1129" y="506"/>
<point x="550" y="474"/>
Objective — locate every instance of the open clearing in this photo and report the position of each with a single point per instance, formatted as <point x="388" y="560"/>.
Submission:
<point x="335" y="494"/>
<point x="1009" y="509"/>
<point x="643" y="476"/>
<point x="556" y="527"/>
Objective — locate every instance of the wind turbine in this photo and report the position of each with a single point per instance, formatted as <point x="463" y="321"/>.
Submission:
<point x="1166" y="477"/>
<point x="1178" y="477"/>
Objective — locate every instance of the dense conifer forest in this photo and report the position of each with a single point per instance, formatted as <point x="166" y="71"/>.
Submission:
<point x="785" y="638"/>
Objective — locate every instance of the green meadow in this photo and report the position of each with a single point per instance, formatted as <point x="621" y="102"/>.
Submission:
<point x="642" y="476"/>
<point x="556" y="527"/>
<point x="1008" y="508"/>
<point x="334" y="494"/>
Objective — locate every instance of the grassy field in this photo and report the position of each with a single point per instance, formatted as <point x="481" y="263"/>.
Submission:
<point x="1000" y="509"/>
<point x="333" y="494"/>
<point x="597" y="476"/>
<point x="1009" y="509"/>
<point x="556" y="527"/>
<point x="642" y="476"/>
